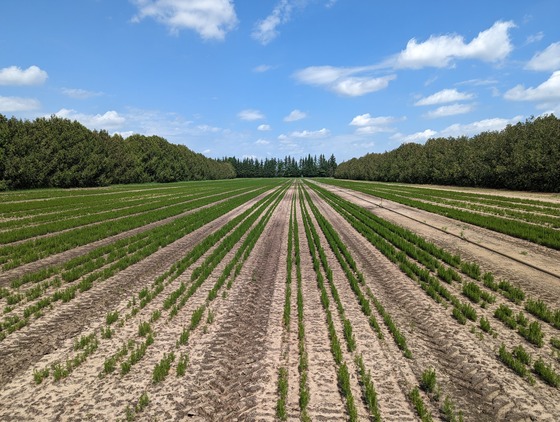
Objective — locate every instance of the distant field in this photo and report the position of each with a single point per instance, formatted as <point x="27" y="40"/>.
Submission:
<point x="279" y="299"/>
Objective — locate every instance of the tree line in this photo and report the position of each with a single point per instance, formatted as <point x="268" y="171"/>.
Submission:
<point x="524" y="156"/>
<point x="310" y="166"/>
<point x="57" y="152"/>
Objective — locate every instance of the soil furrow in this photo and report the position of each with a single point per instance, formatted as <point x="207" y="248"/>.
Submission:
<point x="459" y="360"/>
<point x="20" y="349"/>
<point x="325" y="402"/>
<point x="234" y="370"/>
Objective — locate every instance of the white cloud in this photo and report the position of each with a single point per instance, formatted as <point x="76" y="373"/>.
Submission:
<point x="548" y="59"/>
<point x="80" y="94"/>
<point x="478" y="82"/>
<point x="415" y="137"/>
<point x="349" y="81"/>
<point x="124" y="134"/>
<point x="450" y="110"/>
<point x="262" y="142"/>
<point x="264" y="128"/>
<point x="444" y="96"/>
<point x="295" y="115"/>
<point x="109" y="120"/>
<point x="534" y="38"/>
<point x="355" y="87"/>
<point x="368" y="125"/>
<point x="306" y="134"/>
<point x="490" y="45"/>
<point x="14" y="75"/>
<point x="250" y="115"/>
<point x="211" y="19"/>
<point x="208" y="129"/>
<point x="265" y="30"/>
<point x="474" y="128"/>
<point x="549" y="90"/>
<point x="457" y="129"/>
<point x="262" y="68"/>
<point x="11" y="104"/>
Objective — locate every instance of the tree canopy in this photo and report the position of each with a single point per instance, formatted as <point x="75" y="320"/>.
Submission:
<point x="57" y="152"/>
<point x="525" y="156"/>
<point x="309" y="166"/>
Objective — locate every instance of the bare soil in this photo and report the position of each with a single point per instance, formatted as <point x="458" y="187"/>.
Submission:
<point x="234" y="355"/>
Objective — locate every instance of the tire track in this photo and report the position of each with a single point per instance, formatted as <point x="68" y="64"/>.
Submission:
<point x="325" y="402"/>
<point x="7" y="276"/>
<point x="22" y="348"/>
<point x="234" y="371"/>
<point x="390" y="370"/>
<point x="481" y="386"/>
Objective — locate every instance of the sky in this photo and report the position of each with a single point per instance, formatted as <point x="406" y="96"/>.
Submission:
<point x="270" y="78"/>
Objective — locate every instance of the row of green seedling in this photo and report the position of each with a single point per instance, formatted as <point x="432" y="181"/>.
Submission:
<point x="282" y="382"/>
<point x="432" y="286"/>
<point x="159" y="236"/>
<point x="343" y="375"/>
<point x="538" y="234"/>
<point x="35" y="249"/>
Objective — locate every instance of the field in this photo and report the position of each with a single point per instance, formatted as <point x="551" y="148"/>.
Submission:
<point x="279" y="299"/>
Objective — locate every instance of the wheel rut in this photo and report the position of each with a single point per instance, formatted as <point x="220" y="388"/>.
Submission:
<point x="233" y="372"/>
<point x="467" y="370"/>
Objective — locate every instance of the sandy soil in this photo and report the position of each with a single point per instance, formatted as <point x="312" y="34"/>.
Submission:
<point x="234" y="360"/>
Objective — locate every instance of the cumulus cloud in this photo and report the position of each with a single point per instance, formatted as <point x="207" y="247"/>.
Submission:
<point x="262" y="142"/>
<point x="250" y="115"/>
<point x="265" y="30"/>
<point x="14" y="75"/>
<point x="11" y="104"/>
<point x="366" y="124"/>
<point x="490" y="45"/>
<point x="295" y="115"/>
<point x="458" y="129"/>
<point x="548" y="91"/>
<point x="211" y="19"/>
<point x="349" y="81"/>
<point x="444" y="96"/>
<point x="415" y="137"/>
<point x="264" y="128"/>
<point x="80" y="94"/>
<point x="474" y="128"/>
<point x="450" y="110"/>
<point x="108" y="121"/>
<point x="548" y="59"/>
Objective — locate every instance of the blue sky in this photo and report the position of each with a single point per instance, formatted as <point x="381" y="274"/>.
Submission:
<point x="268" y="78"/>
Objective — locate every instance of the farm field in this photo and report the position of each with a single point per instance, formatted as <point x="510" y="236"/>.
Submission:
<point x="279" y="299"/>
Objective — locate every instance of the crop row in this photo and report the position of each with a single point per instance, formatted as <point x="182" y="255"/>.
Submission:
<point x="133" y="351"/>
<point x="548" y="214"/>
<point x="12" y="256"/>
<point x="106" y="261"/>
<point x="386" y="239"/>
<point x="534" y="233"/>
<point x="316" y="251"/>
<point x="20" y="230"/>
